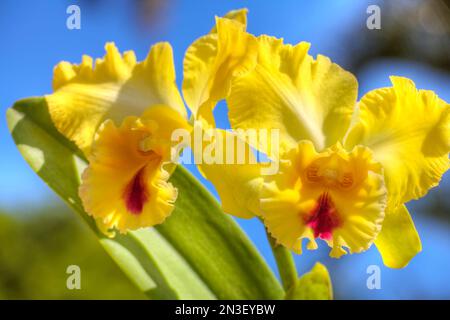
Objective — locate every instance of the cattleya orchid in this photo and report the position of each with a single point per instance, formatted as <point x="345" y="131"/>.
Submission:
<point x="133" y="160"/>
<point x="353" y="194"/>
<point x="126" y="184"/>
<point x="346" y="168"/>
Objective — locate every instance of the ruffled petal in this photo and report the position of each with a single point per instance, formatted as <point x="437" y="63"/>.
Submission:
<point x="117" y="86"/>
<point x="238" y="15"/>
<point x="398" y="241"/>
<point x="126" y="183"/>
<point x="334" y="195"/>
<point x="305" y="99"/>
<point x="212" y="61"/>
<point x="409" y="133"/>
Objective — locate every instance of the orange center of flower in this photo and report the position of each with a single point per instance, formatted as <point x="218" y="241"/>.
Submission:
<point x="136" y="194"/>
<point x="323" y="218"/>
<point x="331" y="173"/>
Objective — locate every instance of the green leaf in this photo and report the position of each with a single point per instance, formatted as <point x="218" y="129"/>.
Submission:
<point x="198" y="253"/>
<point x="314" y="285"/>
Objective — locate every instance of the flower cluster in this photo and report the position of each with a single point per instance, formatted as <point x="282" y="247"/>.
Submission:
<point x="347" y="167"/>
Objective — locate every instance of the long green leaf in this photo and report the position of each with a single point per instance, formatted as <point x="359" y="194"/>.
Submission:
<point x="198" y="253"/>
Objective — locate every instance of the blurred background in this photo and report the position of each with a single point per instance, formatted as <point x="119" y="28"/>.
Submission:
<point x="40" y="237"/>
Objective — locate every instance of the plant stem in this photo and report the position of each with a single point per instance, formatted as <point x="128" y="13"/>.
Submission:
<point x="285" y="263"/>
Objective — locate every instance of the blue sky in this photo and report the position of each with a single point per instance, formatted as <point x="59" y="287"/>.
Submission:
<point x="34" y="37"/>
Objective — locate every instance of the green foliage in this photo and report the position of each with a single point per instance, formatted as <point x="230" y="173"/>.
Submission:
<point x="37" y="249"/>
<point x="314" y="285"/>
<point x="199" y="252"/>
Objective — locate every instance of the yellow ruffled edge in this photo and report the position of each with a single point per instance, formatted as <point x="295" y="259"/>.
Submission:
<point x="112" y="67"/>
<point x="409" y="132"/>
<point x="213" y="60"/>
<point x="238" y="15"/>
<point x="87" y="94"/>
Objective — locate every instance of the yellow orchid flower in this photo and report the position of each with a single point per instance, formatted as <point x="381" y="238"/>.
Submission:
<point x="125" y="186"/>
<point x="126" y="183"/>
<point x="354" y="178"/>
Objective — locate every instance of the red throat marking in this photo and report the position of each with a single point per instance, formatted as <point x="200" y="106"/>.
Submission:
<point x="135" y="194"/>
<point x="323" y="218"/>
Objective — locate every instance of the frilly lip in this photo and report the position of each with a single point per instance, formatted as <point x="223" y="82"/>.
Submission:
<point x="123" y="187"/>
<point x="351" y="218"/>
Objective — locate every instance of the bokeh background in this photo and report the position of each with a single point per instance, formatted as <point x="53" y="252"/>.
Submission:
<point x="40" y="237"/>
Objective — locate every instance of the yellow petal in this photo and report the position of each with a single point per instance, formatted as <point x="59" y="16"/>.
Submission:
<point x="117" y="86"/>
<point x="168" y="121"/>
<point x="212" y="61"/>
<point x="409" y="133"/>
<point x="334" y="195"/>
<point x="126" y="183"/>
<point x="238" y="187"/>
<point x="290" y="91"/>
<point x="238" y="182"/>
<point x="398" y="241"/>
<point x="238" y="15"/>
